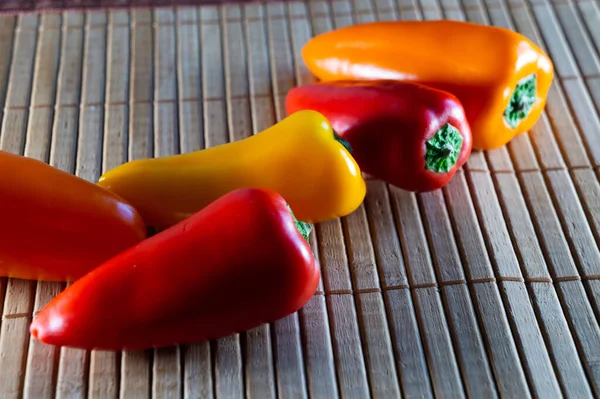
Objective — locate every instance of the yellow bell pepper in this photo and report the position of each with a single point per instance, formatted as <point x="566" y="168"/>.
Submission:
<point x="300" y="157"/>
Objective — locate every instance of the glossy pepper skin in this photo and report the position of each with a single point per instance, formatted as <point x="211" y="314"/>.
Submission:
<point x="409" y="135"/>
<point x="501" y="77"/>
<point x="240" y="262"/>
<point x="298" y="157"/>
<point x="56" y="226"/>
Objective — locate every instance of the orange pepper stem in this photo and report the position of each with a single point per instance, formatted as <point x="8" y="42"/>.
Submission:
<point x="304" y="228"/>
<point x="343" y="142"/>
<point x="443" y="149"/>
<point x="521" y="101"/>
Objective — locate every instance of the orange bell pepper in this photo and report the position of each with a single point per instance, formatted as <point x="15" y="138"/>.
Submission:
<point x="57" y="226"/>
<point x="500" y="77"/>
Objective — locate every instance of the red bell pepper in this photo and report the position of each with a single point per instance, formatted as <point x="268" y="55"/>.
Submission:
<point x="406" y="134"/>
<point x="240" y="262"/>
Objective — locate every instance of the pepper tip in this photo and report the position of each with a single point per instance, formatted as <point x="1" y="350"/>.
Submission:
<point x="34" y="332"/>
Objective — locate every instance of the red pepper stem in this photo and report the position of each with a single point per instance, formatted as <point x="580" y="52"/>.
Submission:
<point x="443" y="149"/>
<point x="303" y="227"/>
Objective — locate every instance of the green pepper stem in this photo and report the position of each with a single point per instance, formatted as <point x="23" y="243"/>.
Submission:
<point x="443" y="149"/>
<point x="521" y="101"/>
<point x="343" y="142"/>
<point x="303" y="227"/>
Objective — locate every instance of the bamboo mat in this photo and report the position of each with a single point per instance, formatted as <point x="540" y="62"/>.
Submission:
<point x="487" y="288"/>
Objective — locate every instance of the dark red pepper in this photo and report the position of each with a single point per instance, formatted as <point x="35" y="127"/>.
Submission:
<point x="240" y="262"/>
<point x="406" y="134"/>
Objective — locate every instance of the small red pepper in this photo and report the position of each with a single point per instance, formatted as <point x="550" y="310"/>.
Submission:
<point x="56" y="226"/>
<point x="409" y="135"/>
<point x="240" y="262"/>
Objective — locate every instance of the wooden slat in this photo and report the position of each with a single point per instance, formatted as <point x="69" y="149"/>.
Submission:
<point x="378" y="347"/>
<point x="492" y="221"/>
<point x="504" y="357"/>
<point x="102" y="365"/>
<point x="563" y="121"/>
<point x="166" y="372"/>
<point x="318" y="349"/>
<point x="445" y="378"/>
<point x="342" y="311"/>
<point x="579" y="41"/>
<point x="142" y="65"/>
<point x="386" y="10"/>
<point x="287" y="341"/>
<point x="585" y="327"/>
<point x="188" y="63"/>
<point x="117" y="63"/>
<point x="575" y="223"/>
<point x="136" y="366"/>
<point x="498" y="160"/>
<point x="461" y="314"/>
<point x="197" y="371"/>
<point x="334" y="262"/>
<point x="229" y="379"/>
<point x="195" y="358"/>
<point x="522" y="229"/>
<point x="590" y="12"/>
<point x="166" y="138"/>
<point x="543" y="143"/>
<point x="434" y="329"/>
<point x="349" y="358"/>
<point x="42" y="359"/>
<point x="594" y="86"/>
<point x="289" y="367"/>
<point x="557" y="251"/>
<point x="7" y="36"/>
<point x="228" y="367"/>
<point x="341" y="13"/>
<point x="104" y="376"/>
<point x="73" y="364"/>
<point x="370" y="307"/>
<point x="41" y="370"/>
<point x="314" y="324"/>
<point x="409" y="10"/>
<point x="404" y="329"/>
<point x="588" y="189"/>
<point x="281" y="54"/>
<point x="135" y="374"/>
<point x="18" y="300"/>
<point x="538" y="364"/>
<point x="251" y="41"/>
<point x="14" y="340"/>
<point x="189" y="78"/>
<point x="587" y="120"/>
<point x="258" y="379"/>
<point x="19" y="90"/>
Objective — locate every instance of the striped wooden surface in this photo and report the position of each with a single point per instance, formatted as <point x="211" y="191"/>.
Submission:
<point x="487" y="288"/>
